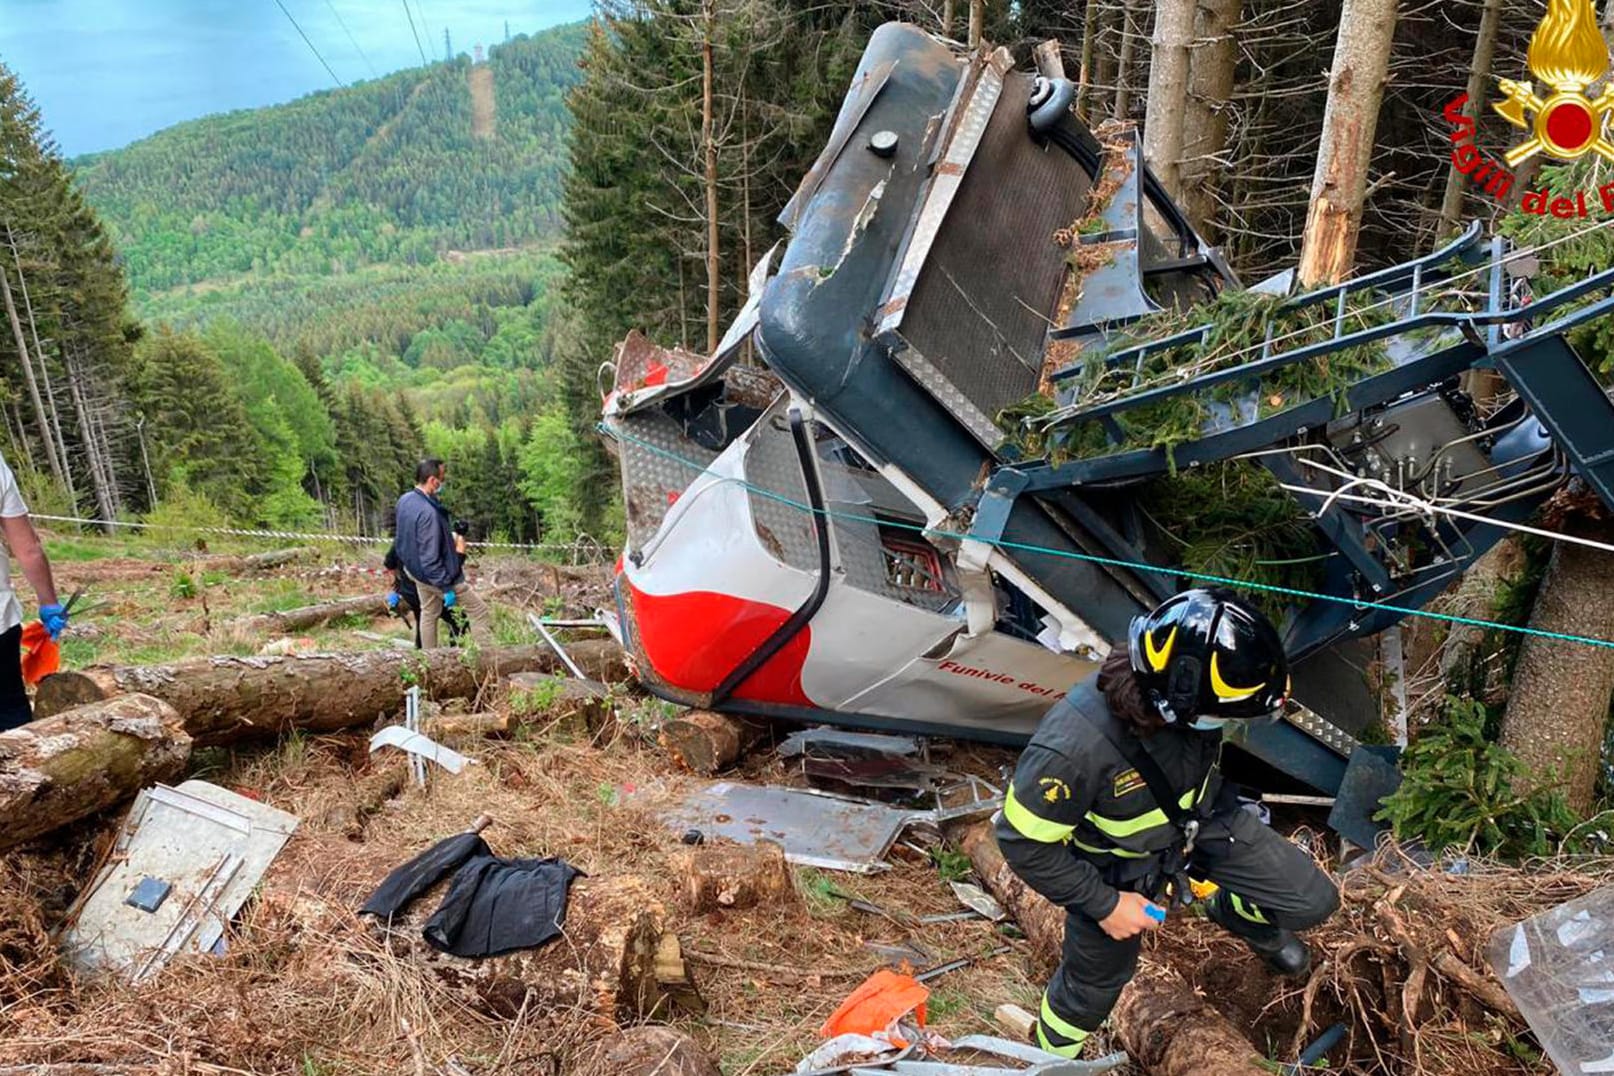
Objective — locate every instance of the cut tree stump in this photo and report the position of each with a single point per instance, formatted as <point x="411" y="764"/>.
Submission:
<point x="1167" y="1028"/>
<point x="720" y="877"/>
<point x="609" y="962"/>
<point x="705" y="742"/>
<point x="309" y="616"/>
<point x="227" y="699"/>
<point x="586" y="704"/>
<point x="64" y="768"/>
<point x="646" y="1050"/>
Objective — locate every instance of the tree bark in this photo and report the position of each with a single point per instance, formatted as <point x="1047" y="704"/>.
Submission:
<point x="1165" y="1026"/>
<point x="1479" y="74"/>
<point x="947" y="18"/>
<point x="1166" y="107"/>
<point x="1212" y="72"/>
<point x="64" y="768"/>
<point x="709" y="148"/>
<point x="1050" y="61"/>
<point x="1123" y="61"/>
<point x="977" y="23"/>
<point x="604" y="965"/>
<point x="1084" y="77"/>
<point x="227" y="699"/>
<point x="704" y="742"/>
<point x="1559" y="700"/>
<point x="1345" y="152"/>
<point x="724" y="877"/>
<point x="309" y="616"/>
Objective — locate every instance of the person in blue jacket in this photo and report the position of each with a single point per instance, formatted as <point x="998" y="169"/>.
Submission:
<point x="432" y="559"/>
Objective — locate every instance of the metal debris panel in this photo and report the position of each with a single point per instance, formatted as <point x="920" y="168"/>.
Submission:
<point x="203" y="849"/>
<point x="816" y="829"/>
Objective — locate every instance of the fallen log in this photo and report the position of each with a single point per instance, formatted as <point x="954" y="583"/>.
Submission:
<point x="720" y="877"/>
<point x="705" y="742"/>
<point x="646" y="1050"/>
<point x="610" y="961"/>
<point x="227" y="699"/>
<point x="309" y="616"/>
<point x="1167" y="1028"/>
<point x="255" y="562"/>
<point x="64" y="768"/>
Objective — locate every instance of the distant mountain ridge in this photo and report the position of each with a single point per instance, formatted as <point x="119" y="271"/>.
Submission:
<point x="398" y="170"/>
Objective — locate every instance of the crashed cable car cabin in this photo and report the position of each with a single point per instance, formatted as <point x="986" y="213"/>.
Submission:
<point x="854" y="534"/>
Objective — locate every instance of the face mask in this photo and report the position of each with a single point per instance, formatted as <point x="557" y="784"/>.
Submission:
<point x="1208" y="724"/>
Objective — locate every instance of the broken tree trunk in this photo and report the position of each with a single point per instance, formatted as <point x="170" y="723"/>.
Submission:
<point x="704" y="742"/>
<point x="1167" y="1028"/>
<point x="605" y="963"/>
<point x="720" y="877"/>
<point x="1339" y="185"/>
<point x="308" y="616"/>
<point x="61" y="769"/>
<point x="226" y="699"/>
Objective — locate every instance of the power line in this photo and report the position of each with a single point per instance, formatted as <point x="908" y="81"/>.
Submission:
<point x="412" y="31"/>
<point x="339" y="21"/>
<point x="310" y="44"/>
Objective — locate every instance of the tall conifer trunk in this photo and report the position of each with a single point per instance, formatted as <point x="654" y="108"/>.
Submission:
<point x="1339" y="185"/>
<point x="709" y="146"/>
<point x="28" y="377"/>
<point x="1168" y="91"/>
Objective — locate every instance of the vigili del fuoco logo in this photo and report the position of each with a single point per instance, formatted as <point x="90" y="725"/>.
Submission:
<point x="1563" y="122"/>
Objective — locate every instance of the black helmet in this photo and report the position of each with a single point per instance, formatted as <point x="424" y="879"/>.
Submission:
<point x="1209" y="653"/>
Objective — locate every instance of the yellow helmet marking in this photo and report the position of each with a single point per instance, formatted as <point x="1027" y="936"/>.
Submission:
<point x="1158" y="658"/>
<point x="1226" y="691"/>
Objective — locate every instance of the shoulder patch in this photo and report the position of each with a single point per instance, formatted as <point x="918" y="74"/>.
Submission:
<point x="1053" y="789"/>
<point x="1127" y="782"/>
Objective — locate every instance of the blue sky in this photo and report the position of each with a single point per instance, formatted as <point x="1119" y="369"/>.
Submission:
<point x="107" y="72"/>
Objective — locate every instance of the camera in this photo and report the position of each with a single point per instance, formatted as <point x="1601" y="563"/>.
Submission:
<point x="462" y="527"/>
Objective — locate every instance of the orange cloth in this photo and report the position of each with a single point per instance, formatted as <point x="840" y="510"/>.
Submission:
<point x="42" y="655"/>
<point x="884" y="997"/>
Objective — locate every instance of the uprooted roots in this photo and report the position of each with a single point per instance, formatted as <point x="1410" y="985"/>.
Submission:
<point x="1403" y="965"/>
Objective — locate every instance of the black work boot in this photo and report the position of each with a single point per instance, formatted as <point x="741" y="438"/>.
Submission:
<point x="1282" y="950"/>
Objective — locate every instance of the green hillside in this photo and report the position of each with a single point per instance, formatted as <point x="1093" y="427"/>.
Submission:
<point x="400" y="170"/>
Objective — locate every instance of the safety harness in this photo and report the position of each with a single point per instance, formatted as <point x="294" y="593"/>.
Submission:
<point x="1170" y="878"/>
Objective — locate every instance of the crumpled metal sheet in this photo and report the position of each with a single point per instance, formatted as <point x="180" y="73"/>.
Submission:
<point x="208" y="844"/>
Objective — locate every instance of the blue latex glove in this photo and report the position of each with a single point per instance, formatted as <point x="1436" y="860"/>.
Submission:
<point x="1155" y="912"/>
<point x="392" y="600"/>
<point x="449" y="599"/>
<point x="54" y="617"/>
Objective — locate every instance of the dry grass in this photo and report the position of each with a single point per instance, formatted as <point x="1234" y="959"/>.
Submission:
<point x="306" y="988"/>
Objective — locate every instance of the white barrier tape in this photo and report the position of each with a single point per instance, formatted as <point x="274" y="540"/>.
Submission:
<point x="589" y="545"/>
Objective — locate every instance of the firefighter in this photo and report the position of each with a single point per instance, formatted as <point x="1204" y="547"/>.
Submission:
<point x="1083" y="822"/>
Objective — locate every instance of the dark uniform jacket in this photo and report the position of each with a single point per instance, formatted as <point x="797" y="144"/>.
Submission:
<point x="1078" y="822"/>
<point x="425" y="541"/>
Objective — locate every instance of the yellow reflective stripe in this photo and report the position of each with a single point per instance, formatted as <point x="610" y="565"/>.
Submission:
<point x="1030" y="825"/>
<point x="1069" y="1051"/>
<point x="1122" y="852"/>
<point x="1127" y="827"/>
<point x="1248" y="911"/>
<point x="1229" y="692"/>
<point x="1063" y="1028"/>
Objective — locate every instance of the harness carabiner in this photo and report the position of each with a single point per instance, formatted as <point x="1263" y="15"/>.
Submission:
<point x="1190" y="830"/>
